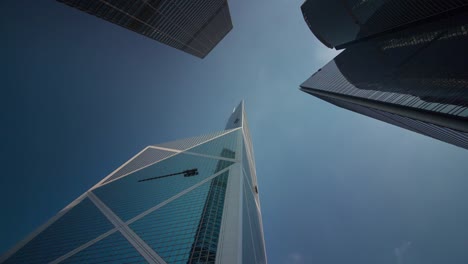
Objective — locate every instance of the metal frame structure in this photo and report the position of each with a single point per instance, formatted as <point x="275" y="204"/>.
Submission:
<point x="229" y="247"/>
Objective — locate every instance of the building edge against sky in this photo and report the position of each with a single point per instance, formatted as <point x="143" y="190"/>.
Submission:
<point x="192" y="26"/>
<point x="193" y="200"/>
<point x="410" y="77"/>
<point x="339" y="24"/>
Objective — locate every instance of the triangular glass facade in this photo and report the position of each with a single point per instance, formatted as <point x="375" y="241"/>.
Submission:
<point x="129" y="196"/>
<point x="112" y="249"/>
<point x="218" y="146"/>
<point x="183" y="144"/>
<point x="147" y="157"/>
<point x="188" y="201"/>
<point x="77" y="226"/>
<point x="188" y="227"/>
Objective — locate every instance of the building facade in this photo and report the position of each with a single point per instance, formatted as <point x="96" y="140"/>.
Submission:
<point x="188" y="201"/>
<point x="415" y="78"/>
<point x="193" y="26"/>
<point x="340" y="23"/>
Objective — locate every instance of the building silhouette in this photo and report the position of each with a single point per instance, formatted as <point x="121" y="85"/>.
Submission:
<point x="414" y="77"/>
<point x="193" y="26"/>
<point x="339" y="24"/>
<point x="188" y="201"/>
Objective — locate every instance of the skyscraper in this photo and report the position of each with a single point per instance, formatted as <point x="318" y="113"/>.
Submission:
<point x="341" y="23"/>
<point x="414" y="77"/>
<point x="193" y="26"/>
<point x="188" y="201"/>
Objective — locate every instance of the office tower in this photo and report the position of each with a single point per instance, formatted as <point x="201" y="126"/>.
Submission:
<point x="415" y="77"/>
<point x="188" y="201"/>
<point x="339" y="24"/>
<point x="193" y="26"/>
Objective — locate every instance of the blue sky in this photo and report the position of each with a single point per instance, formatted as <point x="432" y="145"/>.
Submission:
<point x="80" y="96"/>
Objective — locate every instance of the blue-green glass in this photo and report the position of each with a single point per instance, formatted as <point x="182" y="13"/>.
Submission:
<point x="248" y="252"/>
<point x="81" y="224"/>
<point x="186" y="143"/>
<point x="171" y="230"/>
<point x="112" y="249"/>
<point x="145" y="158"/>
<point x="127" y="197"/>
<point x="216" y="146"/>
<point x="250" y="208"/>
<point x="205" y="246"/>
<point x="186" y="230"/>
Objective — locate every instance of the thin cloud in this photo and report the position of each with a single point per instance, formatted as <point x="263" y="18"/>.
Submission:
<point x="400" y="251"/>
<point x="295" y="258"/>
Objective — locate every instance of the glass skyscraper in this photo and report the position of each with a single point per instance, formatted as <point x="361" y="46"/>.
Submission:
<point x="341" y="23"/>
<point x="413" y="76"/>
<point x="193" y="26"/>
<point x="188" y="201"/>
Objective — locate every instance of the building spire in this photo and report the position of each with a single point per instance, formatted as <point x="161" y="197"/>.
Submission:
<point x="235" y="120"/>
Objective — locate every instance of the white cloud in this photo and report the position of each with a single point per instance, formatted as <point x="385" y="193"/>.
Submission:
<point x="295" y="258"/>
<point x="400" y="251"/>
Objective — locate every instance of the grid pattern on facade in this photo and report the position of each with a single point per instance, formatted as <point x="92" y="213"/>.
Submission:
<point x="331" y="79"/>
<point x="213" y="30"/>
<point x="187" y="143"/>
<point x="352" y="21"/>
<point x="422" y="38"/>
<point x="113" y="249"/>
<point x="252" y="228"/>
<point x="127" y="197"/>
<point x="411" y="78"/>
<point x="171" y="229"/>
<point x="216" y="146"/>
<point x="395" y="13"/>
<point x="248" y="249"/>
<point x="206" y="239"/>
<point x="448" y="135"/>
<point x="183" y="19"/>
<point x="79" y="225"/>
<point x="175" y="216"/>
<point x="191" y="26"/>
<point x="146" y="158"/>
<point x="205" y="244"/>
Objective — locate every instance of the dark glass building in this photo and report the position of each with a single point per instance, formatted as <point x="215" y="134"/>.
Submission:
<point x="415" y="78"/>
<point x="339" y="23"/>
<point x="193" y="26"/>
<point x="188" y="201"/>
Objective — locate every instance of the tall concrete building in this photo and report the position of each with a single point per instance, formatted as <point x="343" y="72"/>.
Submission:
<point x="193" y="26"/>
<point x="188" y="201"/>
<point x="414" y="76"/>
